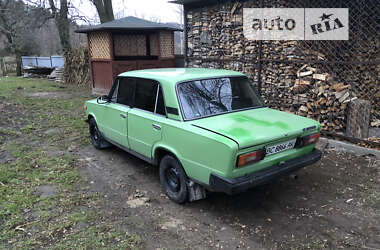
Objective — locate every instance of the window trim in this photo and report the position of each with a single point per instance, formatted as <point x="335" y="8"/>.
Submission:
<point x="110" y="92"/>
<point x="155" y="104"/>
<point x="222" y="113"/>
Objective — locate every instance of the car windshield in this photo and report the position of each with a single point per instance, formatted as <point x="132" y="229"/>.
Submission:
<point x="208" y="97"/>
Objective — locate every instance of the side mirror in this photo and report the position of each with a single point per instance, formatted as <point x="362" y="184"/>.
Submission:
<point x="103" y="99"/>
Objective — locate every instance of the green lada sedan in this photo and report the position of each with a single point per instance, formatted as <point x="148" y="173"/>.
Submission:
<point x="206" y="129"/>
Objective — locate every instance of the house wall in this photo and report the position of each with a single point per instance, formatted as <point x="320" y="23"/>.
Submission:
<point x="129" y="45"/>
<point x="99" y="45"/>
<point x="166" y="44"/>
<point x="105" y="68"/>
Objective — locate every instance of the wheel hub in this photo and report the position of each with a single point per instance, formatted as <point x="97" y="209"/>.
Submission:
<point x="173" y="180"/>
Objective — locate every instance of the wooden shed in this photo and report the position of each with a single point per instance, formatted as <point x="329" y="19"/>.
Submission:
<point x="127" y="44"/>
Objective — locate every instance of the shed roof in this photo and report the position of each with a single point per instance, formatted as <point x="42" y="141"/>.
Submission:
<point x="129" y="23"/>
<point x="185" y="1"/>
<point x="197" y="3"/>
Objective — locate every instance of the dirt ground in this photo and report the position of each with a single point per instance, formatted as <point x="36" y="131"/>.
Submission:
<point x="333" y="204"/>
<point x="328" y="206"/>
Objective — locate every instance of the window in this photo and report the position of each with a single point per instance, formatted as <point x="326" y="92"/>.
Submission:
<point x="215" y="96"/>
<point x="146" y="92"/>
<point x="139" y="93"/>
<point x="160" y="108"/>
<point x="115" y="90"/>
<point x="125" y="91"/>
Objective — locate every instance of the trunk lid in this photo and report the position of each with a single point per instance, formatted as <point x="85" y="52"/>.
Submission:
<point x="256" y="126"/>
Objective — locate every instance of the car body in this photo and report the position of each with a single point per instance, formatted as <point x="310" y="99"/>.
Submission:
<point x="210" y="125"/>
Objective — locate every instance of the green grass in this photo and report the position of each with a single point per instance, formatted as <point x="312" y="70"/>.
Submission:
<point x="72" y="218"/>
<point x="11" y="85"/>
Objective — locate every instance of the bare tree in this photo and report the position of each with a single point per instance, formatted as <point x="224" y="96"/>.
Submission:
<point x="18" y="22"/>
<point x="104" y="9"/>
<point x="63" y="23"/>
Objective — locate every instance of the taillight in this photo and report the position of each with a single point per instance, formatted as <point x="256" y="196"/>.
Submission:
<point x="85" y="107"/>
<point x="250" y="158"/>
<point x="309" y="139"/>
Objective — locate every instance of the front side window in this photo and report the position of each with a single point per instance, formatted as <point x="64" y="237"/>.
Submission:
<point x="115" y="91"/>
<point x="201" y="98"/>
<point x="125" y="91"/>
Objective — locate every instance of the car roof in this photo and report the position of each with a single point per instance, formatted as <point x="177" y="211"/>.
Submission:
<point x="174" y="75"/>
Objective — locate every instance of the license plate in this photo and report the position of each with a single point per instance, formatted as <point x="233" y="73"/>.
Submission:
<point x="280" y="147"/>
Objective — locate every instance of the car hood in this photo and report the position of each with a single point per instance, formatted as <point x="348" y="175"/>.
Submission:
<point x="256" y="126"/>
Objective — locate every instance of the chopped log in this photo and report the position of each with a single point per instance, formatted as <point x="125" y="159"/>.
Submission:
<point x="303" y="109"/>
<point x="322" y="77"/>
<point x="306" y="73"/>
<point x="311" y="69"/>
<point x="344" y="97"/>
<point x="340" y="86"/>
<point x="338" y="95"/>
<point x="302" y="82"/>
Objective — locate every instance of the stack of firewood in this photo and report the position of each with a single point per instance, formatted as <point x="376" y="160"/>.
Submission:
<point x="77" y="68"/>
<point x="321" y="90"/>
<point x="321" y="98"/>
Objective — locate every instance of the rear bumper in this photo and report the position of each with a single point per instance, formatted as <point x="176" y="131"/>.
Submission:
<point x="240" y="184"/>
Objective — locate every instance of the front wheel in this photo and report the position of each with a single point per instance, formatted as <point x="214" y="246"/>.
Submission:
<point x="96" y="138"/>
<point x="173" y="179"/>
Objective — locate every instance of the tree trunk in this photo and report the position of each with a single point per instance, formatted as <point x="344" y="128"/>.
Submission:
<point x="63" y="27"/>
<point x="104" y="9"/>
<point x="2" y="67"/>
<point x="63" y="24"/>
<point x="18" y="63"/>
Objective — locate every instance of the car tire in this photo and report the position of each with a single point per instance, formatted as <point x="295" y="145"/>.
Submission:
<point x="173" y="179"/>
<point x="97" y="139"/>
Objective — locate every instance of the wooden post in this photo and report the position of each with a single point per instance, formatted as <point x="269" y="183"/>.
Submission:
<point x="90" y="62"/>
<point x="358" y="118"/>
<point x="111" y="46"/>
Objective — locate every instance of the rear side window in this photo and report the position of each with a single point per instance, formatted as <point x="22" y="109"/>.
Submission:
<point x="125" y="91"/>
<point x="146" y="92"/>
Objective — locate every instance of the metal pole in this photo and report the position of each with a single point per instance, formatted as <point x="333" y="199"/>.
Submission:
<point x="259" y="68"/>
<point x="260" y="55"/>
<point x="185" y="33"/>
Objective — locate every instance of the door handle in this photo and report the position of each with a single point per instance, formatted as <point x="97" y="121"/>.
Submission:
<point x="157" y="127"/>
<point x="123" y="116"/>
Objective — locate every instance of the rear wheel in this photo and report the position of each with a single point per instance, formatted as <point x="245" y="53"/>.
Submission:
<point x="96" y="138"/>
<point x="173" y="179"/>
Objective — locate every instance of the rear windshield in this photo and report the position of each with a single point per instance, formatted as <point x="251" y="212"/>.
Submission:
<point x="208" y="97"/>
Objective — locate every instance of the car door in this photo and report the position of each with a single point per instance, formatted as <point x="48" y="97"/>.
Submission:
<point x="146" y="117"/>
<point x="116" y="112"/>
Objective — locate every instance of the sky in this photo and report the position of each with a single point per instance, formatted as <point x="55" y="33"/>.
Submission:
<point x="155" y="10"/>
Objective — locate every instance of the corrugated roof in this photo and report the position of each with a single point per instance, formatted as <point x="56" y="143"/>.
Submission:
<point x="129" y="23"/>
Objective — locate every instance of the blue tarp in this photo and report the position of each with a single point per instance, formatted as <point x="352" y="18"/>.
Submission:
<point x="43" y="62"/>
